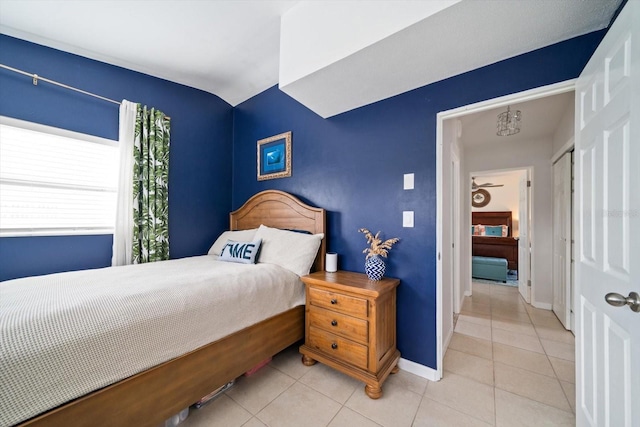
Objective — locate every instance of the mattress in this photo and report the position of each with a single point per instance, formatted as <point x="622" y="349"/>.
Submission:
<point x="65" y="335"/>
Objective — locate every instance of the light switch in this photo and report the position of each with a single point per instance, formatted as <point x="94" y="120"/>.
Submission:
<point x="408" y="181"/>
<point x="407" y="219"/>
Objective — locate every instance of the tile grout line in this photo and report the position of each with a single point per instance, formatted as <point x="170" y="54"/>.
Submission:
<point x="454" y="409"/>
<point x="548" y="360"/>
<point x="332" y="418"/>
<point x="495" y="403"/>
<point x="271" y="401"/>
<point x="413" y="420"/>
<point x="493" y="366"/>
<point x="342" y="405"/>
<point x="556" y="376"/>
<point x="557" y="379"/>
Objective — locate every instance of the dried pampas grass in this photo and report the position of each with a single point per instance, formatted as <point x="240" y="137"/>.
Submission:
<point x="376" y="245"/>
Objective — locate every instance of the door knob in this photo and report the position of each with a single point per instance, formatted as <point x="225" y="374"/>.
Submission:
<point x="617" y="300"/>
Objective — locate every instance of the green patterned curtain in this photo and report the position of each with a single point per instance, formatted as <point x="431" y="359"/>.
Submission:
<point x="151" y="186"/>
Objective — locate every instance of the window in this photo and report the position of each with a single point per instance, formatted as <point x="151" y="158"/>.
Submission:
<point x="55" y="182"/>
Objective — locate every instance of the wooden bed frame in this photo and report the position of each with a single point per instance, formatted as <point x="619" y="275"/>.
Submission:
<point x="150" y="397"/>
<point x="495" y="247"/>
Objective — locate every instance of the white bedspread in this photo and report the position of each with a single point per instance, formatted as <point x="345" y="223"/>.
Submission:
<point x="65" y="335"/>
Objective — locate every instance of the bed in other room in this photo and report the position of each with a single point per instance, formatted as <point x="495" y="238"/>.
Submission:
<point x="495" y="246"/>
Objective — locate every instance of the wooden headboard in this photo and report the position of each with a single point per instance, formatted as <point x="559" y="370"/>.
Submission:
<point x="278" y="209"/>
<point x="493" y="218"/>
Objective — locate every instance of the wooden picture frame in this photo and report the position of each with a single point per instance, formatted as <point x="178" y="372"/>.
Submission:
<point x="274" y="157"/>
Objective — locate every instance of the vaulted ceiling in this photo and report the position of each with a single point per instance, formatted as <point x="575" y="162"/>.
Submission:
<point x="332" y="56"/>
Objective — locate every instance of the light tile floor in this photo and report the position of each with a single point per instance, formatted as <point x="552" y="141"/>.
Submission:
<point x="508" y="364"/>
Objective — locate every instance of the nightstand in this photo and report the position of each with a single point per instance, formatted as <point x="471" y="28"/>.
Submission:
<point x="350" y="325"/>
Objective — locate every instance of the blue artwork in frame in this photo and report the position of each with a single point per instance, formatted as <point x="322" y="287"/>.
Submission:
<point x="274" y="157"/>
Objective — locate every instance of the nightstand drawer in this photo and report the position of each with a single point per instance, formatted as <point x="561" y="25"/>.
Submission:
<point x="339" y="348"/>
<point x="338" y="302"/>
<point x="339" y="324"/>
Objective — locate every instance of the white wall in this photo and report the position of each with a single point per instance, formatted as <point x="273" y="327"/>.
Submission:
<point x="535" y="154"/>
<point x="506" y="198"/>
<point x="564" y="131"/>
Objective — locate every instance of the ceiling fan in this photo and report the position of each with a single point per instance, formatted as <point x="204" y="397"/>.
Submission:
<point x="475" y="186"/>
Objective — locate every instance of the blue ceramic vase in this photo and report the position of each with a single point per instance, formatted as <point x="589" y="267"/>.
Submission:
<point x="374" y="267"/>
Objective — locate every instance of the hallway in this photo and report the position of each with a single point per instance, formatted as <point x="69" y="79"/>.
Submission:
<point x="518" y="360"/>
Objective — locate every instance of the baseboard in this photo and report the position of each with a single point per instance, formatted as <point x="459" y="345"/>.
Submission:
<point x="467" y="293"/>
<point x="418" y="369"/>
<point x="542" y="305"/>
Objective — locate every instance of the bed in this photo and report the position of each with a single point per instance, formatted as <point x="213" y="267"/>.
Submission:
<point x="493" y="246"/>
<point x="149" y="397"/>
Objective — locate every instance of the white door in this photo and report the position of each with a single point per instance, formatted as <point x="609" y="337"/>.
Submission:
<point x="562" y="239"/>
<point x="524" y="256"/>
<point x="607" y="215"/>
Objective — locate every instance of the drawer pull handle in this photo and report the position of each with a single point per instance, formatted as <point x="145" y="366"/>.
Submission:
<point x="334" y="301"/>
<point x="334" y="346"/>
<point x="334" y="323"/>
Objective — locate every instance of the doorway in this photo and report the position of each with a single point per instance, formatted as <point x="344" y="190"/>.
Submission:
<point x="450" y="136"/>
<point x="504" y="207"/>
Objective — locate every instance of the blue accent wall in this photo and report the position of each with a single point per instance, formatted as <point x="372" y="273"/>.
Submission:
<point x="353" y="165"/>
<point x="200" y="157"/>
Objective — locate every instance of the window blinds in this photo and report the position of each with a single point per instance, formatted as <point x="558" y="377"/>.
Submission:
<point x="56" y="182"/>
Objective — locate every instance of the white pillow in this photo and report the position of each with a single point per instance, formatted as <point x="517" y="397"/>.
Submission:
<point x="289" y="249"/>
<point x="241" y="252"/>
<point x="238" y="236"/>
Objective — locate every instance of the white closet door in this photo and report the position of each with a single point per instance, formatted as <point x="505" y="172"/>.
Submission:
<point x="562" y="239"/>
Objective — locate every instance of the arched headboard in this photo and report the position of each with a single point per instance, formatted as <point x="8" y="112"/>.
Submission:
<point x="278" y="209"/>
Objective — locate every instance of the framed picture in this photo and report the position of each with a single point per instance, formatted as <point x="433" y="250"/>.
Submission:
<point x="274" y="157"/>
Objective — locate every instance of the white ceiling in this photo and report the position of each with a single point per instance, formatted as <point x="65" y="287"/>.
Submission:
<point x="232" y="48"/>
<point x="228" y="48"/>
<point x="459" y="38"/>
<point x="540" y="119"/>
<point x="507" y="177"/>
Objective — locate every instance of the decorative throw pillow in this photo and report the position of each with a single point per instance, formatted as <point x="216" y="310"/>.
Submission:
<point x="238" y="236"/>
<point x="478" y="230"/>
<point x="242" y="252"/>
<point x="293" y="251"/>
<point x="493" y="230"/>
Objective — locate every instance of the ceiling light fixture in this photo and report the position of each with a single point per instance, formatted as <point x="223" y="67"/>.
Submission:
<point x="508" y="122"/>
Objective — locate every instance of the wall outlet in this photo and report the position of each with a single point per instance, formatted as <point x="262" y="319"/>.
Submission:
<point x="407" y="219"/>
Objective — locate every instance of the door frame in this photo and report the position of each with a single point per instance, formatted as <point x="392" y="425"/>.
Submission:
<point x="529" y="205"/>
<point x="455" y="232"/>
<point x="442" y="256"/>
<point x="566" y="221"/>
<point x="528" y="170"/>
